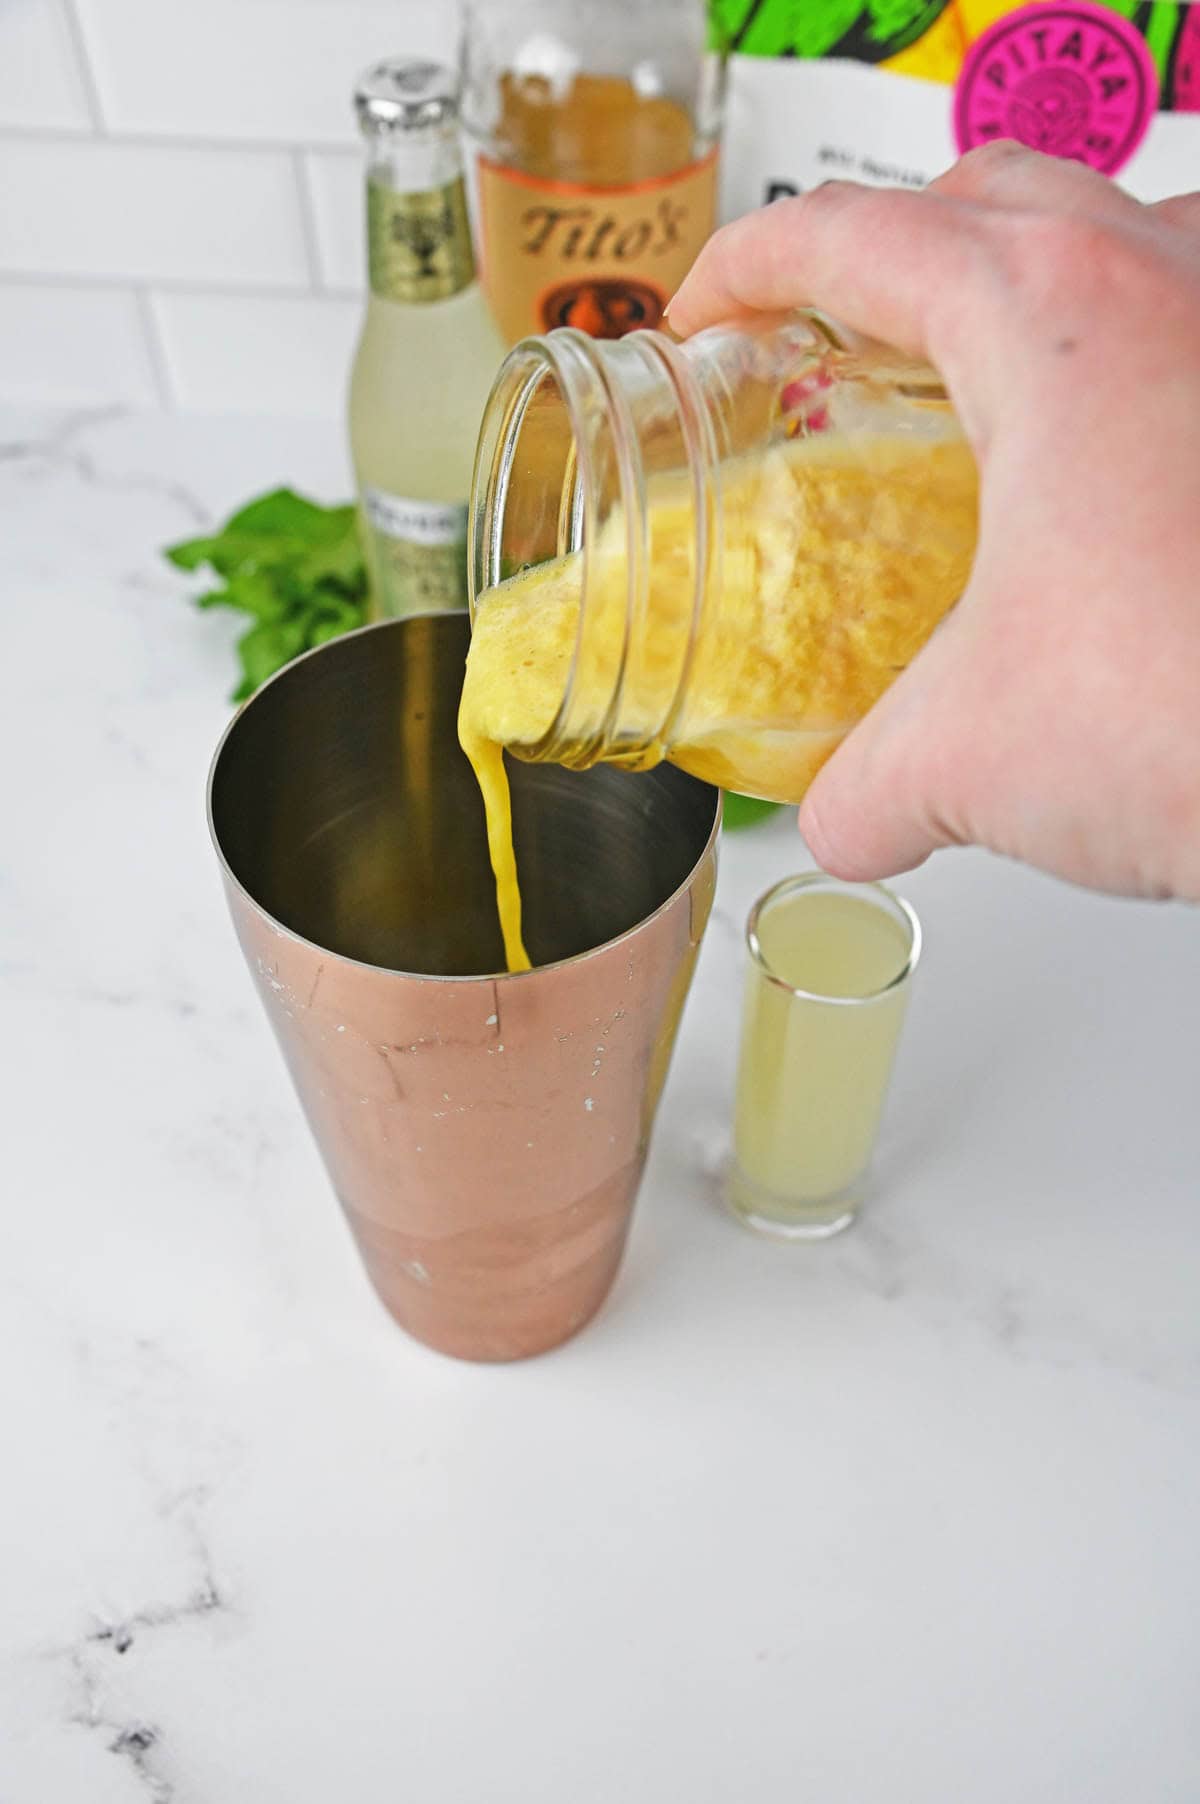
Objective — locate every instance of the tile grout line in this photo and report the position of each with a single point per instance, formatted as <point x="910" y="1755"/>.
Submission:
<point x="156" y="350"/>
<point x="60" y="134"/>
<point x="255" y="291"/>
<point x="87" y="75"/>
<point x="308" y="221"/>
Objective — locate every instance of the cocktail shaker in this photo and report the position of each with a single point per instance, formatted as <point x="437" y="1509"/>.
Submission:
<point x="485" y="1133"/>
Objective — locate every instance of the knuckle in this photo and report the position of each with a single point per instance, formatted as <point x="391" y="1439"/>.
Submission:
<point x="1000" y="154"/>
<point x="1052" y="259"/>
<point x="831" y="196"/>
<point x="719" y="246"/>
<point x="982" y="170"/>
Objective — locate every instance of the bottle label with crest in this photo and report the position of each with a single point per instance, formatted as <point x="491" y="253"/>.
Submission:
<point x="606" y="260"/>
<point x="418" y="244"/>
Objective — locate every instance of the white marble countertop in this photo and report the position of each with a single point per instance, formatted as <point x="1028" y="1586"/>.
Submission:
<point x="906" y="1518"/>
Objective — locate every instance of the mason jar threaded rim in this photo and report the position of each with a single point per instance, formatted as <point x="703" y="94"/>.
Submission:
<point x="604" y="388"/>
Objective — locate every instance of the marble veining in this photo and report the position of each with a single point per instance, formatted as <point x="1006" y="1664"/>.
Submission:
<point x="910" y="1516"/>
<point x="67" y="448"/>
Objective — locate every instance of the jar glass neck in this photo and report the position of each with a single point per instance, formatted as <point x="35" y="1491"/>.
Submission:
<point x="593" y="453"/>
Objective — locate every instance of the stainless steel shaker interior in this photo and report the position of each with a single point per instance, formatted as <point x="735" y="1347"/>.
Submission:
<point x="371" y="842"/>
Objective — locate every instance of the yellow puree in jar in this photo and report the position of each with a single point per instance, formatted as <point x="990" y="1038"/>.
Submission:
<point x="838" y="559"/>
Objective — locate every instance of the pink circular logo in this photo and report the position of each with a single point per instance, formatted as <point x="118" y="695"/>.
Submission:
<point x="1187" y="62"/>
<point x="1074" y="81"/>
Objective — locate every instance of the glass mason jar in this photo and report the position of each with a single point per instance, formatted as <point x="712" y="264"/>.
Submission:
<point x="593" y="136"/>
<point x="729" y="547"/>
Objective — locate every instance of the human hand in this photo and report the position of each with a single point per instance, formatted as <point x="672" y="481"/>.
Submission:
<point x="1055" y="714"/>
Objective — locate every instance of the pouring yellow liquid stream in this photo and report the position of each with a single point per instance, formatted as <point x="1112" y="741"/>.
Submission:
<point x="838" y="560"/>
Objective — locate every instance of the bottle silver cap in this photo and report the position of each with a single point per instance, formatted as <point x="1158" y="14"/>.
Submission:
<point x="405" y="94"/>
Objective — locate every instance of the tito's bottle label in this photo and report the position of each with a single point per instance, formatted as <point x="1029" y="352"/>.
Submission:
<point x="606" y="260"/>
<point x="418" y="244"/>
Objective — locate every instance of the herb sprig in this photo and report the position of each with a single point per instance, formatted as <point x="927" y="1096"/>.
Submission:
<point x="294" y="566"/>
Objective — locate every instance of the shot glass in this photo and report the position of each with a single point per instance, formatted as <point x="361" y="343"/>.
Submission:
<point x="830" y="969"/>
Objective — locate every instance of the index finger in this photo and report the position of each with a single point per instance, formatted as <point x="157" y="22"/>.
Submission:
<point x="887" y="262"/>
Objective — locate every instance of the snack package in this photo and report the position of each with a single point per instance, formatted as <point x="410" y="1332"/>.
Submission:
<point x="892" y="91"/>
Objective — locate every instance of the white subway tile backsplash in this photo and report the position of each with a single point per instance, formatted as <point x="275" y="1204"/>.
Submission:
<point x="182" y="183"/>
<point x="270" y="70"/>
<point x="41" y="83"/>
<point x="73" y="347"/>
<point x="335" y="184"/>
<point x="258" y="354"/>
<point x="151" y="211"/>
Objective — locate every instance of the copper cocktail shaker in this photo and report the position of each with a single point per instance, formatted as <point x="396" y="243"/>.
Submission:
<point x="485" y="1133"/>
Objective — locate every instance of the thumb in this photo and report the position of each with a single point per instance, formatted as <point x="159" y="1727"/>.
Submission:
<point x="887" y="797"/>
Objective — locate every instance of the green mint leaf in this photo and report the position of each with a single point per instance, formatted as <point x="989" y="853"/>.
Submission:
<point x="189" y="554"/>
<point x="251" y="594"/>
<point x="256" y="594"/>
<point x="745" y="811"/>
<point x="265" y="649"/>
<point x="324" y="631"/>
<point x="335" y="617"/>
<point x="337" y="559"/>
<point x="294" y="566"/>
<point x="283" y="514"/>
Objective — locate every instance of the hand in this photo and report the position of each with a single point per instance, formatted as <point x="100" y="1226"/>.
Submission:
<point x="1055" y="714"/>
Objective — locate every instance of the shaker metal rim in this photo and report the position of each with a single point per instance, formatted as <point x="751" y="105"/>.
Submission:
<point x="561" y="964"/>
<point x="812" y="879"/>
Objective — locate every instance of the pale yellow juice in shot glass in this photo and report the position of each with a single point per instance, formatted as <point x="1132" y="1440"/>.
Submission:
<point x="829" y="973"/>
